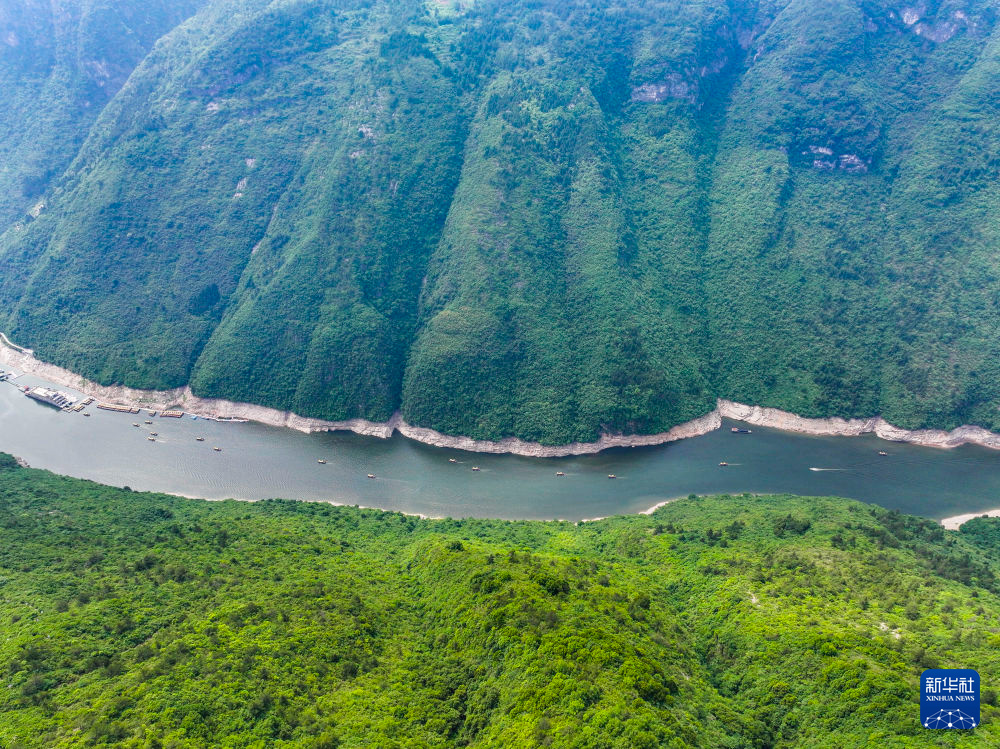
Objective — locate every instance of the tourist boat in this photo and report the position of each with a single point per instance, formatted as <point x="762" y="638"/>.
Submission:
<point x="147" y="422"/>
<point x="560" y="473"/>
<point x="723" y="463"/>
<point x="612" y="476"/>
<point x="739" y="430"/>
<point x="199" y="439"/>
<point x="154" y="434"/>
<point x="452" y="460"/>
<point x="475" y="468"/>
<point x="321" y="462"/>
<point x="217" y="449"/>
<point x="151" y="439"/>
<point x="134" y="424"/>
<point x="371" y="475"/>
<point x="882" y="452"/>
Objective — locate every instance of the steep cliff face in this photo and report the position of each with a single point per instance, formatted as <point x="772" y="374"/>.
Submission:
<point x="543" y="220"/>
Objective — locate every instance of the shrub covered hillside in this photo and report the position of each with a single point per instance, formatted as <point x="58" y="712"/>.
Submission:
<point x="141" y="620"/>
<point x="540" y="218"/>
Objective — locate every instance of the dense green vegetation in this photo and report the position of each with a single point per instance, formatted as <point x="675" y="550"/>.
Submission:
<point x="541" y="218"/>
<point x="60" y="64"/>
<point x="134" y="619"/>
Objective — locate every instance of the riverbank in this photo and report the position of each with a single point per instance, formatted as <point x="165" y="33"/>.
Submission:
<point x="182" y="398"/>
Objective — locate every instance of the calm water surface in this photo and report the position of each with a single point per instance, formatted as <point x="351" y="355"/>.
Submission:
<point x="259" y="462"/>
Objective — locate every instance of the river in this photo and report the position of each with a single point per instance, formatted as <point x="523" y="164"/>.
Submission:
<point x="258" y="461"/>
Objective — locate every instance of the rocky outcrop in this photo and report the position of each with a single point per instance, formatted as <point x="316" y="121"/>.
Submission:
<point x="939" y="32"/>
<point x="824" y="159"/>
<point x="674" y="87"/>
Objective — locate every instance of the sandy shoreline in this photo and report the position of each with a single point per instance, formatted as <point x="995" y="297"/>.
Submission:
<point x="23" y="360"/>
<point x="955" y="521"/>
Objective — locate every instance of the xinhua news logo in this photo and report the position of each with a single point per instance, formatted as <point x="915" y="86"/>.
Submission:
<point x="949" y="698"/>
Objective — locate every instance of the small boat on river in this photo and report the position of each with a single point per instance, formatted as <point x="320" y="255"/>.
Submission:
<point x="475" y="468"/>
<point x="371" y="475"/>
<point x="217" y="449"/>
<point x="723" y="463"/>
<point x="612" y="476"/>
<point x="560" y="473"/>
<point x="740" y="430"/>
<point x="321" y="462"/>
<point x="199" y="439"/>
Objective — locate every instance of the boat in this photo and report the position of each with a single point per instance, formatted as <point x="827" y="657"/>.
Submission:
<point x="147" y="422"/>
<point x="321" y="462"/>
<point x="475" y="468"/>
<point x="560" y="473"/>
<point x="723" y="463"/>
<point x="740" y="430"/>
<point x="371" y="475"/>
<point x="199" y="439"/>
<point x="154" y="434"/>
<point x="134" y="424"/>
<point x="452" y="460"/>
<point x="217" y="449"/>
<point x="882" y="452"/>
<point x="54" y="398"/>
<point x="86" y="413"/>
<point x="612" y="476"/>
<point x="151" y="439"/>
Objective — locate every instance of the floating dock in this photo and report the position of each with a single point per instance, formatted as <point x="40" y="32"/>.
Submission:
<point x="119" y="409"/>
<point x="171" y="414"/>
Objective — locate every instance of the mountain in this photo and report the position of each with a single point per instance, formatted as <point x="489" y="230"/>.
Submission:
<point x="532" y="218"/>
<point x="137" y="619"/>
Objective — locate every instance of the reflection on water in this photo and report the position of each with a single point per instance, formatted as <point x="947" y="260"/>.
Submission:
<point x="257" y="462"/>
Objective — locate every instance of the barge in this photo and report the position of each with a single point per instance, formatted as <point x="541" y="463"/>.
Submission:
<point x="119" y="409"/>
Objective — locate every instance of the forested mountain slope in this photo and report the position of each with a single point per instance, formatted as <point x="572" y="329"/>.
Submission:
<point x="60" y="64"/>
<point x="533" y="218"/>
<point x="144" y="620"/>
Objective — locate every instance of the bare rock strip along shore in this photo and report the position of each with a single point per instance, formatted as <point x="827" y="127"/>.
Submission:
<point x="182" y="398"/>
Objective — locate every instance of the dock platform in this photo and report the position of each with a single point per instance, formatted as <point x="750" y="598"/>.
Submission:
<point x="119" y="409"/>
